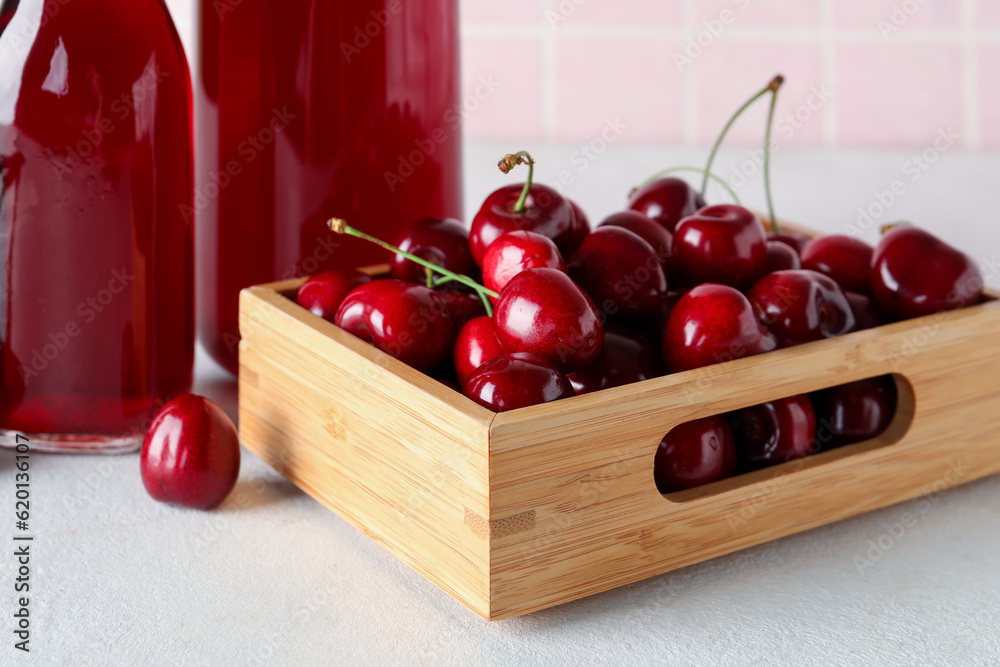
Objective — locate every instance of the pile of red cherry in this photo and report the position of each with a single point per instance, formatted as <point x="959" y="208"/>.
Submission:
<point x="531" y="306"/>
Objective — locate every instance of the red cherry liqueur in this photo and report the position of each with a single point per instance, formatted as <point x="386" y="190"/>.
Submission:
<point x="96" y="322"/>
<point x="310" y="109"/>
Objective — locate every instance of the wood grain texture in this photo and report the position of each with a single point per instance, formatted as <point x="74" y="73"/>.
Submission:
<point x="515" y="512"/>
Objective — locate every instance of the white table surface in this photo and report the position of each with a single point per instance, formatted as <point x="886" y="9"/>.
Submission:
<point x="275" y="578"/>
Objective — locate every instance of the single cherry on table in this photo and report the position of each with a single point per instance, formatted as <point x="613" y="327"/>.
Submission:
<point x="191" y="454"/>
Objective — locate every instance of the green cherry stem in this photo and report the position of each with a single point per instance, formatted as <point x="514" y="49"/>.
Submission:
<point x="697" y="170"/>
<point x="772" y="86"/>
<point x="339" y="226"/>
<point x="510" y="161"/>
<point x="767" y="157"/>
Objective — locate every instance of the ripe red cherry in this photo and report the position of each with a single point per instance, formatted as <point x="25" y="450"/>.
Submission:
<point x="801" y="306"/>
<point x="774" y="432"/>
<point x="191" y="454"/>
<point x="781" y="257"/>
<point x="712" y="324"/>
<point x="867" y="314"/>
<point x="464" y="306"/>
<point x="544" y="312"/>
<point x="323" y="293"/>
<point x="476" y="344"/>
<point x="545" y="212"/>
<point x="581" y="227"/>
<point x="645" y="228"/>
<point x="443" y="241"/>
<point x="513" y="381"/>
<point x="515" y="252"/>
<point x="404" y="320"/>
<point x="627" y="357"/>
<point x="667" y="201"/>
<point x="845" y="259"/>
<point x="621" y="272"/>
<point x="695" y="453"/>
<point x="720" y="244"/>
<point x="854" y="412"/>
<point x="793" y="240"/>
<point x="913" y="273"/>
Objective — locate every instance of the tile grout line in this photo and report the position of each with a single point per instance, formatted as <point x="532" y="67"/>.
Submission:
<point x="689" y="85"/>
<point x="969" y="64"/>
<point x="828" y="67"/>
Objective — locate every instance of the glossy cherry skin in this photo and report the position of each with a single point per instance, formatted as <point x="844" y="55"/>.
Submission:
<point x="845" y="259"/>
<point x="695" y="453"/>
<point x="621" y="272"/>
<point x="513" y="381"/>
<point x="712" y="324"/>
<point x="545" y="212"/>
<point x="476" y="344"/>
<point x="515" y="252"/>
<point x="191" y="454"/>
<point x="404" y="320"/>
<point x="323" y="293"/>
<point x="781" y="257"/>
<point x="867" y="314"/>
<point x="793" y="240"/>
<point x="667" y="201"/>
<point x="914" y="273"/>
<point x="854" y="412"/>
<point x="774" y="432"/>
<point x="464" y="306"/>
<point x="581" y="227"/>
<point x="442" y="241"/>
<point x="720" y="244"/>
<point x="645" y="228"/>
<point x="801" y="306"/>
<point x="627" y="357"/>
<point x="544" y="312"/>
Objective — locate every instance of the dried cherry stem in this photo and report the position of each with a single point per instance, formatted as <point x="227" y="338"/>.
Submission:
<point x="697" y="170"/>
<point x="339" y="226"/>
<point x="511" y="160"/>
<point x="774" y="84"/>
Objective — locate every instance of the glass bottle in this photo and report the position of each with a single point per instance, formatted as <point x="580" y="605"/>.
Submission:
<point x="309" y="109"/>
<point x="96" y="259"/>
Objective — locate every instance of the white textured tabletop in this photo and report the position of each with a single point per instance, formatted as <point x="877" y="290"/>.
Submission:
<point x="274" y="578"/>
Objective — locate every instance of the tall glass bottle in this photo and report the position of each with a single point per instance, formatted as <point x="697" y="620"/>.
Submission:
<point x="96" y="259"/>
<point x="309" y="109"/>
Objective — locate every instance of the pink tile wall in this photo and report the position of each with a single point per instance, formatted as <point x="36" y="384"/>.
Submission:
<point x="895" y="71"/>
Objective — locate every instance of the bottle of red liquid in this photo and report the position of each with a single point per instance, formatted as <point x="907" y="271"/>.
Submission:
<point x="310" y="109"/>
<point x="96" y="259"/>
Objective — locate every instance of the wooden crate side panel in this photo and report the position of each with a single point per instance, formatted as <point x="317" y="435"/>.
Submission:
<point x="585" y="466"/>
<point x="308" y="409"/>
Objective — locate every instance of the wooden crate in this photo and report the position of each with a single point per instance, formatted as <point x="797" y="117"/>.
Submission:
<point x="515" y="512"/>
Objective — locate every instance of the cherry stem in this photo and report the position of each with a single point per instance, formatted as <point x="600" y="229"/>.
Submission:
<point x="767" y="154"/>
<point x="339" y="226"/>
<point x="697" y="170"/>
<point x="772" y="86"/>
<point x="510" y="161"/>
